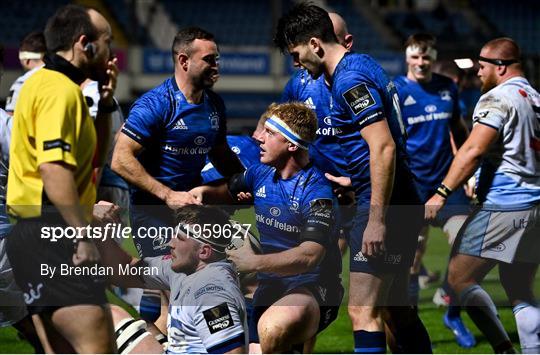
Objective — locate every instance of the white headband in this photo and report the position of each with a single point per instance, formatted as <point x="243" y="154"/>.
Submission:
<point x="414" y="49"/>
<point x="30" y="55"/>
<point x="277" y="124"/>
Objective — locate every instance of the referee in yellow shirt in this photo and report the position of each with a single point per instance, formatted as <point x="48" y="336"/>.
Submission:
<point x="51" y="181"/>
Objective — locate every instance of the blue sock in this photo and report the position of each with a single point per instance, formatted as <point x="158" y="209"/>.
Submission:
<point x="369" y="342"/>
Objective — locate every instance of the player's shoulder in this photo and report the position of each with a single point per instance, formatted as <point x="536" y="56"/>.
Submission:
<point x="48" y="83"/>
<point x="23" y="78"/>
<point x="215" y="280"/>
<point x="261" y="170"/>
<point x="162" y="92"/>
<point x="314" y="178"/>
<point x="356" y="68"/>
<point x="156" y="100"/>
<point x="301" y="77"/>
<point x="240" y="141"/>
<point x="401" y="81"/>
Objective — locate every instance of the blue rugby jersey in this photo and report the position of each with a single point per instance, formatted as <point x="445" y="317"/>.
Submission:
<point x="176" y="135"/>
<point x="428" y="110"/>
<point x="284" y="207"/>
<point x="363" y="95"/>
<point x="246" y="149"/>
<point x="324" y="152"/>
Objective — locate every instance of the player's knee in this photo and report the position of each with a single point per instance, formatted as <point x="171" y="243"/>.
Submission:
<point x="456" y="278"/>
<point x="272" y="337"/>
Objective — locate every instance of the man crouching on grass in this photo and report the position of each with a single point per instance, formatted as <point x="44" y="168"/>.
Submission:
<point x="207" y="310"/>
<point x="299" y="288"/>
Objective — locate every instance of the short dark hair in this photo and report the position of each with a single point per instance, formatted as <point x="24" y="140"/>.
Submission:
<point x="66" y="26"/>
<point x="301" y="23"/>
<point x="421" y="40"/>
<point x="33" y="42"/>
<point x="206" y="215"/>
<point x="185" y="37"/>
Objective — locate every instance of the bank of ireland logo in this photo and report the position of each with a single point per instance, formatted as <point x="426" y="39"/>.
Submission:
<point x="214" y="120"/>
<point x="430" y="108"/>
<point x="200" y="140"/>
<point x="327" y="121"/>
<point x="235" y="150"/>
<point x="274" y="211"/>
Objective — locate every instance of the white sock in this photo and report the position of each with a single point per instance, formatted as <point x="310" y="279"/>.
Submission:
<point x="528" y="326"/>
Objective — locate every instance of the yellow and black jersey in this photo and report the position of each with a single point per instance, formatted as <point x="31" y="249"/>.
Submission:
<point x="51" y="124"/>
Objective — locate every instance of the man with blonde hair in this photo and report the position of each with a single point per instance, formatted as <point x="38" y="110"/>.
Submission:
<point x="299" y="288"/>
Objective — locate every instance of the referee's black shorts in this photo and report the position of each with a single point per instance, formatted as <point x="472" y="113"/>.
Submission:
<point x="32" y="258"/>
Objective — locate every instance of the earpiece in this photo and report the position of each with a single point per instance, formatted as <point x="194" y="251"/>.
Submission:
<point x="90" y="49"/>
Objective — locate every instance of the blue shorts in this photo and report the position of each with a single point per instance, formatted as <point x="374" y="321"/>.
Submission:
<point x="253" y="335"/>
<point x="403" y="223"/>
<point x="148" y="236"/>
<point x="328" y="295"/>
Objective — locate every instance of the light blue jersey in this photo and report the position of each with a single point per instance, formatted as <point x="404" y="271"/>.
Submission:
<point x="509" y="176"/>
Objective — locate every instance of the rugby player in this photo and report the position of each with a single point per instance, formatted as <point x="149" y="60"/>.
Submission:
<point x="325" y="152"/>
<point x="168" y="134"/>
<point x="163" y="146"/>
<point x="31" y="52"/>
<point x="503" y="231"/>
<point x="13" y="308"/>
<point x="51" y="181"/>
<point x="365" y="113"/>
<point x="299" y="289"/>
<point x="430" y="109"/>
<point x="207" y="311"/>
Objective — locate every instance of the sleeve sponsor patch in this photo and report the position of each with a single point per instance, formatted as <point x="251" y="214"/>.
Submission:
<point x="359" y="98"/>
<point x="321" y="210"/>
<point x="218" y="318"/>
<point x="481" y="114"/>
<point x="57" y="143"/>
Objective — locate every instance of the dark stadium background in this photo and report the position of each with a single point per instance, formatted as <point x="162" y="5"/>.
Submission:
<point x="253" y="74"/>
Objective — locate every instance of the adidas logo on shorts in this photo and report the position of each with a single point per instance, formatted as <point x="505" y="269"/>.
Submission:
<point x="180" y="124"/>
<point x="261" y="192"/>
<point x="360" y="257"/>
